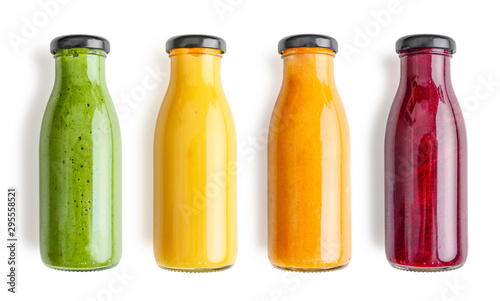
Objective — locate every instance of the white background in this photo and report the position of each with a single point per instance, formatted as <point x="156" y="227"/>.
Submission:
<point x="367" y="75"/>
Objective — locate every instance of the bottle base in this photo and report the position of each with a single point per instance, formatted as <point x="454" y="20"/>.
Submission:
<point x="73" y="269"/>
<point x="196" y="270"/>
<point x="425" y="269"/>
<point x="311" y="270"/>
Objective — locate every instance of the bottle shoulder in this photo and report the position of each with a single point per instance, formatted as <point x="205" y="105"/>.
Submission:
<point x="305" y="102"/>
<point x="194" y="107"/>
<point x="414" y="97"/>
<point x="79" y="106"/>
<point x="195" y="98"/>
<point x="424" y="112"/>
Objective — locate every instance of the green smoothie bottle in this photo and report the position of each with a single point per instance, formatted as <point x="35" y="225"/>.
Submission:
<point x="80" y="161"/>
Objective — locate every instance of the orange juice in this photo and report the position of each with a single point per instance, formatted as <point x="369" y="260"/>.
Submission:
<point x="195" y="162"/>
<point x="309" y="219"/>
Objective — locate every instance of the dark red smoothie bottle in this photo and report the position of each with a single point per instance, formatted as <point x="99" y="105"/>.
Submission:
<point x="425" y="161"/>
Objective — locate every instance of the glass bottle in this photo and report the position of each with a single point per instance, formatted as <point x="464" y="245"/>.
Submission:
<point x="309" y="218"/>
<point x="80" y="161"/>
<point x="426" y="161"/>
<point x="195" y="162"/>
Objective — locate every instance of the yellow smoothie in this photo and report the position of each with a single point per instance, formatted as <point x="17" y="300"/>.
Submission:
<point x="195" y="167"/>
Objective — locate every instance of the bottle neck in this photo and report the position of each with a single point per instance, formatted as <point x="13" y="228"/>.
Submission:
<point x="195" y="66"/>
<point x="425" y="66"/>
<point x="308" y="64"/>
<point x="80" y="66"/>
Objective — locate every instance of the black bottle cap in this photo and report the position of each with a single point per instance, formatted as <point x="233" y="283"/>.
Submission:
<point x="79" y="41"/>
<point x="195" y="41"/>
<point x="419" y="41"/>
<point x="307" y="40"/>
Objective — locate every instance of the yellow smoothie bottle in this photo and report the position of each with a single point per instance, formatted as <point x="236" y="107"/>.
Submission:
<point x="195" y="162"/>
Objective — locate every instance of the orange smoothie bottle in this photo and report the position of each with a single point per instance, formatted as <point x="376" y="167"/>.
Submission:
<point x="195" y="162"/>
<point x="309" y="214"/>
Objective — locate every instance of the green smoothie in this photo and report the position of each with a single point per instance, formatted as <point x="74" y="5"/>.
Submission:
<point x="80" y="167"/>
